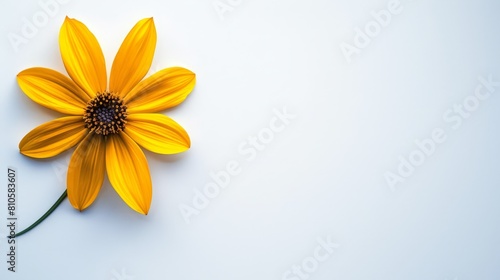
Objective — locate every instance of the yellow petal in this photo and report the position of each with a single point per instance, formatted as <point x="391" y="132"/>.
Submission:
<point x="165" y="89"/>
<point x="53" y="138"/>
<point x="53" y="90"/>
<point x="133" y="60"/>
<point x="82" y="56"/>
<point x="128" y="172"/>
<point x="157" y="133"/>
<point x="86" y="171"/>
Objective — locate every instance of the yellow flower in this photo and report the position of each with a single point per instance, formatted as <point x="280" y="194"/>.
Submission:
<point x="107" y="123"/>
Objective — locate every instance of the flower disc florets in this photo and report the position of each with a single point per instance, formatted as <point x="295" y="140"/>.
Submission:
<point x="105" y="114"/>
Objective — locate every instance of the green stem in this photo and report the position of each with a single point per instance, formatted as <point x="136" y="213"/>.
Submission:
<point x="58" y="202"/>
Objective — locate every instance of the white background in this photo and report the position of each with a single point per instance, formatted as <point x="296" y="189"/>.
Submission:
<point x="322" y="176"/>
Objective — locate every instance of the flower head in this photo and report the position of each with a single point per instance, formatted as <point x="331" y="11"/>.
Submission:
<point x="107" y="123"/>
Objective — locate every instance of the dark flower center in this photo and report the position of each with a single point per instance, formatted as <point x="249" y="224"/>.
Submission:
<point x="105" y="114"/>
